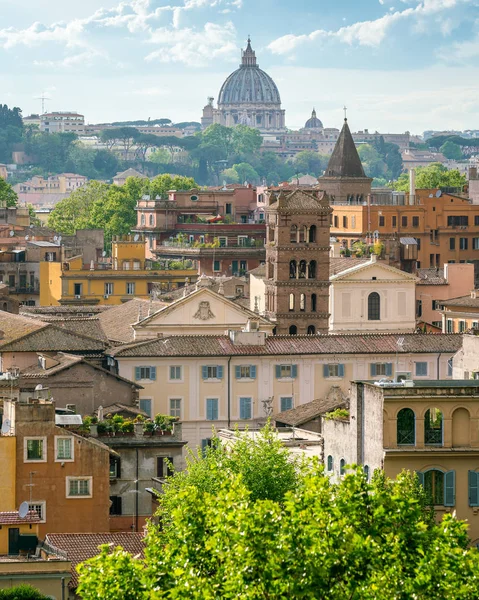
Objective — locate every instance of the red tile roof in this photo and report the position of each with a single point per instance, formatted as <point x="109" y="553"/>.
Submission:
<point x="12" y="518"/>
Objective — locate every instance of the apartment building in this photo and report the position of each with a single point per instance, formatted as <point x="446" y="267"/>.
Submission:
<point x="62" y="122"/>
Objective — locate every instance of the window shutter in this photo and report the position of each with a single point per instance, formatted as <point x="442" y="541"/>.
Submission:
<point x="325" y="371"/>
<point x="219" y="372"/>
<point x="160" y="465"/>
<point x="204" y="444"/>
<point x="118" y="468"/>
<point x="373" y="370"/>
<point x="238" y="372"/>
<point x="341" y="370"/>
<point x="420" y="477"/>
<point x="389" y="369"/>
<point x="278" y="371"/>
<point x="204" y="372"/>
<point x="215" y="409"/>
<point x="153" y="373"/>
<point x="449" y="488"/>
<point x="294" y="371"/>
<point x="137" y="373"/>
<point x="209" y="409"/>
<point x="473" y="489"/>
<point x="252" y="371"/>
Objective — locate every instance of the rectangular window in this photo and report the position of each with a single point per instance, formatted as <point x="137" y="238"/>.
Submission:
<point x="228" y="208"/>
<point x="175" y="407"/>
<point x="223" y="242"/>
<point x="175" y="373"/>
<point x="115" y="506"/>
<point x="115" y="467"/>
<point x="145" y="373"/>
<point x="476" y="220"/>
<point x="130" y="289"/>
<point x="415" y="221"/>
<point x="404" y="221"/>
<point x="108" y="289"/>
<point x="286" y="403"/>
<point x="164" y="466"/>
<point x="212" y="372"/>
<point x="212" y="409"/>
<point x="345" y="222"/>
<point x="333" y="370"/>
<point x="394" y="221"/>
<point x="353" y="222"/>
<point x="286" y="371"/>
<point x="245" y="408"/>
<point x="39" y="508"/>
<point x="452" y="243"/>
<point x="245" y="371"/>
<point x="216" y="265"/>
<point x="435" y="305"/>
<point x="462" y="326"/>
<point x="63" y="448"/>
<point x="457" y="221"/>
<point x="421" y="369"/>
<point x="243" y="267"/>
<point x="463" y="243"/>
<point x="79" y="487"/>
<point x="381" y="221"/>
<point x="145" y="406"/>
<point x="381" y="369"/>
<point x="449" y="367"/>
<point x="475" y="243"/>
<point x="450" y="326"/>
<point x="77" y="289"/>
<point x="35" y="449"/>
<point x="242" y="240"/>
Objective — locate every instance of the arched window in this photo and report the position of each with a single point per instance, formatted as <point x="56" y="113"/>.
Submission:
<point x="152" y="220"/>
<point x="292" y="269"/>
<point x="312" y="270"/>
<point x="293" y="234"/>
<point x="461" y="428"/>
<point x="366" y="472"/>
<point x="311" y="329"/>
<point x="302" y="269"/>
<point x="302" y="302"/>
<point x="406" y="427"/>
<point x="313" y="302"/>
<point x="439" y="486"/>
<point x="433" y="427"/>
<point x="293" y="330"/>
<point x="291" y="302"/>
<point x="312" y="233"/>
<point x="330" y="463"/>
<point x="342" y="465"/>
<point x="142" y="221"/>
<point x="301" y="235"/>
<point x="374" y="307"/>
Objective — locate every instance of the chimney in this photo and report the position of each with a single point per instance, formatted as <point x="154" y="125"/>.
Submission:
<point x="412" y="186"/>
<point x="472" y="173"/>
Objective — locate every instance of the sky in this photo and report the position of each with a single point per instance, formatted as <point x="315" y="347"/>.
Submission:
<point x="398" y="65"/>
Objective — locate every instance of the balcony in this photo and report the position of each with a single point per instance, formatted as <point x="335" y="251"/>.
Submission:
<point x="27" y="289"/>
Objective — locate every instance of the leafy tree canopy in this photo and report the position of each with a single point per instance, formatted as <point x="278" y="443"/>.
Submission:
<point x="433" y="176"/>
<point x="233" y="533"/>
<point x="22" y="592"/>
<point x="310" y="163"/>
<point x="451" y="150"/>
<point x="7" y="193"/>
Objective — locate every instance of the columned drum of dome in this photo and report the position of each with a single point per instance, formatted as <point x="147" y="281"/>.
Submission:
<point x="250" y="97"/>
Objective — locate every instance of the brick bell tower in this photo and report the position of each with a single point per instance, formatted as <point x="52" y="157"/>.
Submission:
<point x="297" y="261"/>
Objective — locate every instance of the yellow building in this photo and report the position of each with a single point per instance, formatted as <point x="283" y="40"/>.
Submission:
<point x="112" y="281"/>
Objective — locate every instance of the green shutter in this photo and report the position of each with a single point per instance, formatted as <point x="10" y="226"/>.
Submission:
<point x="238" y="372"/>
<point x="294" y="371"/>
<point x="153" y="373"/>
<point x="219" y="372"/>
<point x="252" y="371"/>
<point x="389" y="369"/>
<point x="204" y="372"/>
<point x="278" y="371"/>
<point x="473" y="489"/>
<point x="420" y="476"/>
<point x="137" y="373"/>
<point x="373" y="370"/>
<point x="449" y="488"/>
<point x="325" y="371"/>
<point x="341" y="370"/>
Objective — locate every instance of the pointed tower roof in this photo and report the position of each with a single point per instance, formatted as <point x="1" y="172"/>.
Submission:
<point x="248" y="57"/>
<point x="345" y="161"/>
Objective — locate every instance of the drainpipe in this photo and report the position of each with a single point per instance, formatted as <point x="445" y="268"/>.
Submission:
<point x="137" y="492"/>
<point x="229" y="391"/>
<point x="63" y="588"/>
<point x="437" y="369"/>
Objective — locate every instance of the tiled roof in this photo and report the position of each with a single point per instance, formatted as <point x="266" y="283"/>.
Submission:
<point x="221" y="345"/>
<point x="259" y="271"/>
<point x="13" y="327"/>
<point x="306" y="412"/>
<point x="51" y="339"/>
<point x="82" y="546"/>
<point x="113" y="409"/>
<point x="63" y="312"/>
<point x="298" y="199"/>
<point x="465" y="301"/>
<point x="431" y="277"/>
<point x="129" y="173"/>
<point x="117" y="322"/>
<point x="344" y="161"/>
<point x="338" y="265"/>
<point x="90" y="327"/>
<point x="12" y="518"/>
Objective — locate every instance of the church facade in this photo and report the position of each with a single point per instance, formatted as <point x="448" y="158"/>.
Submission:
<point x="249" y="96"/>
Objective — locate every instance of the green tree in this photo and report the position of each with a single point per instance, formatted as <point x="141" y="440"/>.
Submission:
<point x="160" y="156"/>
<point x="51" y="151"/>
<point x="246" y="173"/>
<point x="373" y="164"/>
<point x="106" y="164"/>
<point x="230" y="176"/>
<point x="246" y="140"/>
<point x="311" y="163"/>
<point x="354" y="539"/>
<point x="81" y="160"/>
<point x="22" y="592"/>
<point x="7" y="193"/>
<point x="451" y="150"/>
<point x="433" y="176"/>
<point x="161" y="185"/>
<point x="11" y="131"/>
<point x="74" y="212"/>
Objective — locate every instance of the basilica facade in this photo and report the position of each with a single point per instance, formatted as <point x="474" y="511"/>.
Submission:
<point x="249" y="96"/>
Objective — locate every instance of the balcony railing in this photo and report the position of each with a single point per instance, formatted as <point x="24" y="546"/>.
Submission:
<point x="24" y="289"/>
<point x="248" y="243"/>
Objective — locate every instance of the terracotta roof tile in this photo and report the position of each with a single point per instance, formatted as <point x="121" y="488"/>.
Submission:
<point x="82" y="546"/>
<point x="117" y="322"/>
<point x="464" y="301"/>
<point x="310" y="410"/>
<point x="14" y="327"/>
<point x="50" y="338"/>
<point x="431" y="277"/>
<point x="12" y="518"/>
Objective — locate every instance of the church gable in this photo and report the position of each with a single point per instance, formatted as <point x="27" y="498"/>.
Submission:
<point x="373" y="271"/>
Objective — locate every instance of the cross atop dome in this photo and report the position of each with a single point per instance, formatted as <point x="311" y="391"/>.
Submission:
<point x="248" y="56"/>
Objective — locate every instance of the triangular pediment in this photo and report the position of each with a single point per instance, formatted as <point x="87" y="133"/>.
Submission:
<point x="368" y="270"/>
<point x="298" y="199"/>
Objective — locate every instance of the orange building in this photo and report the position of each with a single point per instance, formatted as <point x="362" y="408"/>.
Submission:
<point x="445" y="226"/>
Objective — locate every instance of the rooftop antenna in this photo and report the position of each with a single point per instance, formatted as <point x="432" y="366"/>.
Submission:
<point x="43" y="97"/>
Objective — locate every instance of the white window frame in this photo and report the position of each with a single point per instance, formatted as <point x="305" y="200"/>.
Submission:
<point x="72" y="445"/>
<point x="89" y="478"/>
<point x="286" y="377"/>
<point x="333" y="371"/>
<point x="215" y="378"/>
<point x="109" y="288"/>
<point x="128" y="284"/>
<point x="246" y="377"/>
<point x="25" y="450"/>
<point x="242" y="241"/>
<point x="43" y="504"/>
<point x="174" y="379"/>
<point x="180" y="398"/>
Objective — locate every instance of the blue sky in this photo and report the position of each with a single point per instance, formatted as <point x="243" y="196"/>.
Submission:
<point x="397" y="64"/>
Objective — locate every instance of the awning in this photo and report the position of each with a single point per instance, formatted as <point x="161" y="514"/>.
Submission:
<point x="408" y="241"/>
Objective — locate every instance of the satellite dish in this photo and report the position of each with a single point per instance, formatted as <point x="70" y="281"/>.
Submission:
<point x="55" y="238"/>
<point x="136" y="238"/>
<point x="431" y="196"/>
<point x="23" y="510"/>
<point x="38" y="387"/>
<point x="438" y="194"/>
<point x="12" y="233"/>
<point x="27" y="237"/>
<point x="6" y="427"/>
